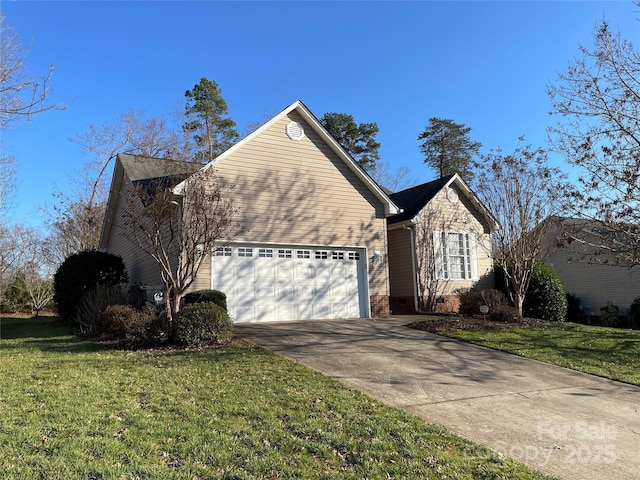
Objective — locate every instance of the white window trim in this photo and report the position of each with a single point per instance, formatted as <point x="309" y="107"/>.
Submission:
<point x="443" y="269"/>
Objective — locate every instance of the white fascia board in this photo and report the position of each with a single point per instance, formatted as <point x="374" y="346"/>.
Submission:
<point x="473" y="199"/>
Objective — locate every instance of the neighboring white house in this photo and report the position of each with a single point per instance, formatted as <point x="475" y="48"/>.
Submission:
<point x="587" y="270"/>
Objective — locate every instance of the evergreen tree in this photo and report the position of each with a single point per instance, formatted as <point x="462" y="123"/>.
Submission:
<point x="359" y="140"/>
<point x="448" y="149"/>
<point x="212" y="130"/>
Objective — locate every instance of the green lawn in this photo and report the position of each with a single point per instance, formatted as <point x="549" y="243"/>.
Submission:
<point x="72" y="409"/>
<point x="608" y="352"/>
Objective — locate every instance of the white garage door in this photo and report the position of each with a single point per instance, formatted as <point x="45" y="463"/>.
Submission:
<point x="267" y="283"/>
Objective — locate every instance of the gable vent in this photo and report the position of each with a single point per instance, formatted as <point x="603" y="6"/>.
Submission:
<point x="295" y="131"/>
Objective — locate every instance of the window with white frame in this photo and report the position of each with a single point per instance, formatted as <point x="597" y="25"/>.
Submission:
<point x="223" y="251"/>
<point x="455" y="255"/>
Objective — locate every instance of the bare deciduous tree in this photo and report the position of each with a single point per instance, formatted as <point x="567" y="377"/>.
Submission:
<point x="40" y="291"/>
<point x="76" y="218"/>
<point x="179" y="229"/>
<point x="393" y="181"/>
<point x="430" y="285"/>
<point x="21" y="96"/>
<point x="520" y="191"/>
<point x="7" y="181"/>
<point x="17" y="249"/>
<point x="597" y="101"/>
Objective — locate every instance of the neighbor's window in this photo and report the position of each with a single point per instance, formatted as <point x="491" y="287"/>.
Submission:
<point x="455" y="255"/>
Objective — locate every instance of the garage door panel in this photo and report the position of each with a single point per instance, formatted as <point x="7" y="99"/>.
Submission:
<point x="285" y="311"/>
<point x="341" y="310"/>
<point x="304" y="292"/>
<point x="264" y="312"/>
<point x="289" y="284"/>
<point x="321" y="310"/>
<point x="285" y="293"/>
<point x="265" y="293"/>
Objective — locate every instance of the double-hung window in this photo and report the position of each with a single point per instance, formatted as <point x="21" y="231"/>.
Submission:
<point x="455" y="256"/>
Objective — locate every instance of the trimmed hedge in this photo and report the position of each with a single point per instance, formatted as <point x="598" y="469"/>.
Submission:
<point x="202" y="324"/>
<point x="203" y="296"/>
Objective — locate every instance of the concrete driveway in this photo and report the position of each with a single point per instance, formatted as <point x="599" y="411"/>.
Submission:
<point x="558" y="421"/>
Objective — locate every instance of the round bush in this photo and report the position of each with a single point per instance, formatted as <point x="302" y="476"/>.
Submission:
<point x="203" y="296"/>
<point x="133" y="327"/>
<point x="202" y="324"/>
<point x="471" y="300"/>
<point x="82" y="272"/>
<point x="503" y="313"/>
<point x="546" y="298"/>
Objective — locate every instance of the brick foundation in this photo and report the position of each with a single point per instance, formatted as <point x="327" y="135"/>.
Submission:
<point x="407" y="306"/>
<point x="447" y="304"/>
<point x="402" y="305"/>
<point x="379" y="306"/>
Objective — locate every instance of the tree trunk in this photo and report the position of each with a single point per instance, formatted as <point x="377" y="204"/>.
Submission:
<point x="519" y="303"/>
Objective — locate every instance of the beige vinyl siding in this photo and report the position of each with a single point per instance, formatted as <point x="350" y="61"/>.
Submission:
<point x="142" y="269"/>
<point x="401" y="263"/>
<point x="463" y="217"/>
<point x="301" y="192"/>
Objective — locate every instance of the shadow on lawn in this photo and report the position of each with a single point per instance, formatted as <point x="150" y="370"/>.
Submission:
<point x="46" y="333"/>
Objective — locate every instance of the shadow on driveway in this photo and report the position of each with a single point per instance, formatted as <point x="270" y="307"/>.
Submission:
<point x="556" y="420"/>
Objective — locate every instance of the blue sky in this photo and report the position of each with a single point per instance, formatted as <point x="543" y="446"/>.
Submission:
<point x="483" y="64"/>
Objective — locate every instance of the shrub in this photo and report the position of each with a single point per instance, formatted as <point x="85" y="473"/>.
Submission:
<point x="634" y="314"/>
<point x="471" y="299"/>
<point x="202" y="296"/>
<point x="132" y="327"/>
<point x="202" y="324"/>
<point x="574" y="309"/>
<point x="545" y="297"/>
<point x="93" y="302"/>
<point x="82" y="272"/>
<point x="503" y="313"/>
<point x="16" y="296"/>
<point x="609" y="315"/>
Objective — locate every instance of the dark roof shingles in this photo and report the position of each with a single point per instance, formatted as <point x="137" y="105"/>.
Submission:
<point x="414" y="199"/>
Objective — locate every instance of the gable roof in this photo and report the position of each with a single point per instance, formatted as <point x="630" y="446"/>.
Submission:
<point x="142" y="170"/>
<point x="414" y="199"/>
<point x="390" y="207"/>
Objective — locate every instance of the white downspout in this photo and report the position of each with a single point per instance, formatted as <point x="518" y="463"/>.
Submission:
<point x="413" y="266"/>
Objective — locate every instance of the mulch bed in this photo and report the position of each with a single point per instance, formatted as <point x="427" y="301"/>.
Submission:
<point x="449" y="323"/>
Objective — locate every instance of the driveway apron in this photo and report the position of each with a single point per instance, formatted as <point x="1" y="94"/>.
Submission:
<point x="558" y="421"/>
